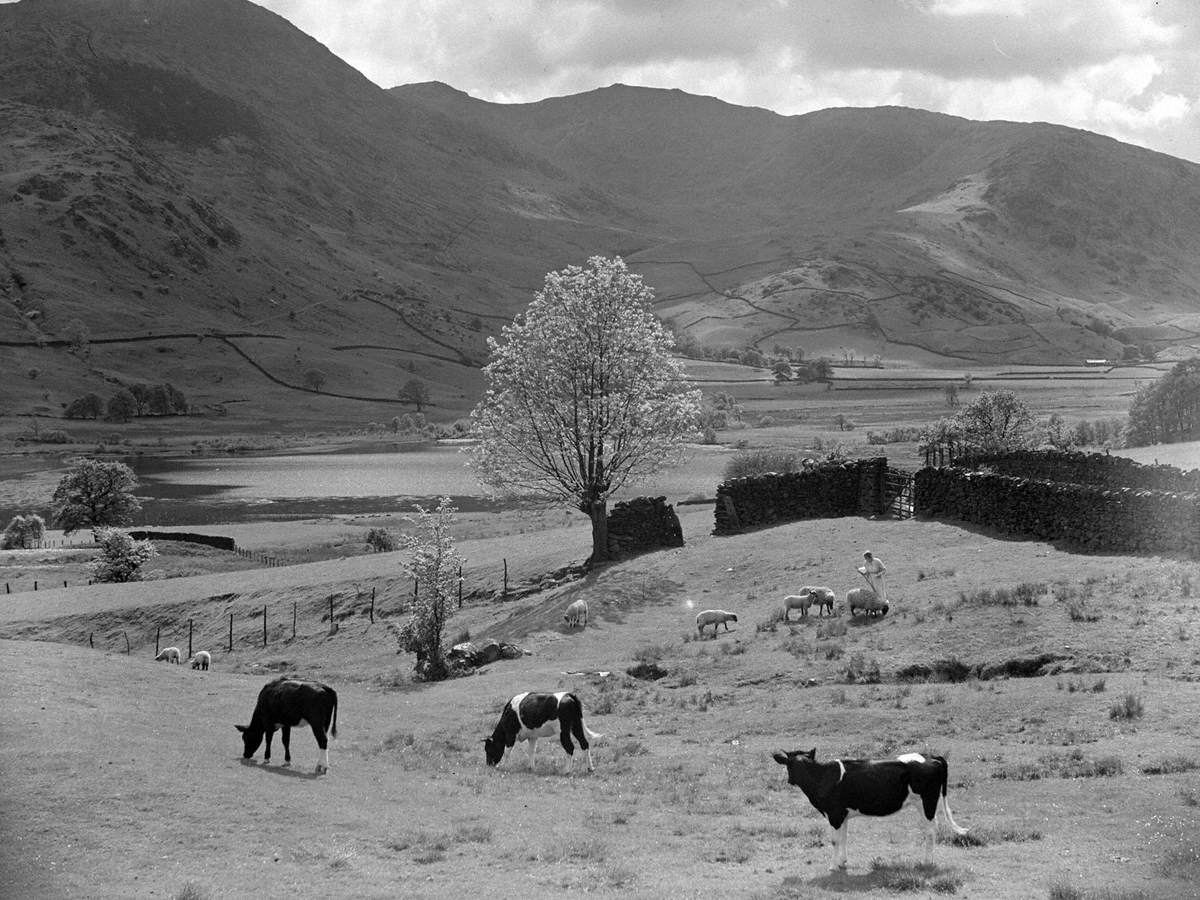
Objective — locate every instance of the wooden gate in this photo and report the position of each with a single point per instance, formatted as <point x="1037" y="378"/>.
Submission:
<point x="898" y="493"/>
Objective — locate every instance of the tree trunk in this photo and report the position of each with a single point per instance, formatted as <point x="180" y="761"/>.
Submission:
<point x="599" y="516"/>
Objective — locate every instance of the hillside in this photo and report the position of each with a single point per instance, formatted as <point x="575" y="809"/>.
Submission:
<point x="213" y="198"/>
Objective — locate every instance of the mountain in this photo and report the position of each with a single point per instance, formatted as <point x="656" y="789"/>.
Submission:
<point x="211" y="197"/>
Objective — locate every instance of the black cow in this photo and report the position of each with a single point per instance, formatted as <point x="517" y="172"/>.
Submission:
<point x="529" y="716"/>
<point x="286" y="703"/>
<point x="870" y="787"/>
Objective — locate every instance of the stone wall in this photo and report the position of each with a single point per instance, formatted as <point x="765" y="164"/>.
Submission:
<point x="641" y="525"/>
<point x="1097" y="469"/>
<point x="221" y="543"/>
<point x="824" y="491"/>
<point x="1078" y="515"/>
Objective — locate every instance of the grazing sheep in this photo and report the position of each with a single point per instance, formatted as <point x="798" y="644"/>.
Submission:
<point x="170" y="654"/>
<point x="714" y="617"/>
<point x="577" y="613"/>
<point x="866" y="600"/>
<point x="822" y="596"/>
<point x="202" y="660"/>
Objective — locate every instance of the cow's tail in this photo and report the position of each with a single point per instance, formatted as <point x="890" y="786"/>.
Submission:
<point x="333" y="725"/>
<point x="954" y="826"/>
<point x="588" y="733"/>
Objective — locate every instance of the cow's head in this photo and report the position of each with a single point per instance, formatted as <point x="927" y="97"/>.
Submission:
<point x="798" y="762"/>
<point x="251" y="738"/>
<point x="493" y="750"/>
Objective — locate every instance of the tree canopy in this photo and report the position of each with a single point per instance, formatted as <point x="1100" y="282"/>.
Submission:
<point x="582" y="394"/>
<point x="1167" y="411"/>
<point x="95" y="492"/>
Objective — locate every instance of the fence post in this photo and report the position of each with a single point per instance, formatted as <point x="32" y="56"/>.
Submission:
<point x="505" y="594"/>
<point x="331" y="610"/>
<point x="460" y="587"/>
<point x="35" y="585"/>
<point x="231" y="632"/>
<point x="127" y="643"/>
<point x="264" y="625"/>
<point x="64" y="582"/>
<point x="372" y="606"/>
<point x="157" y="635"/>
<point x="293" y="620"/>
<point x="189" y="638"/>
<point x="92" y="642"/>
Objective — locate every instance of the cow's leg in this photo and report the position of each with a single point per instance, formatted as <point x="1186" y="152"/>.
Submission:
<point x="839" y="838"/>
<point x="285" y="734"/>
<point x="533" y="754"/>
<point x="580" y="734"/>
<point x="928" y="829"/>
<point x="270" y="733"/>
<point x="323" y="743"/>
<point x="564" y="738"/>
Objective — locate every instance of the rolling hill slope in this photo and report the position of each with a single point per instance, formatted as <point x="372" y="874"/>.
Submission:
<point x="202" y="176"/>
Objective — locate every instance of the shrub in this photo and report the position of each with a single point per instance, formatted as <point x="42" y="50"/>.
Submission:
<point x="121" y="557"/>
<point x="381" y="540"/>
<point x="1128" y="707"/>
<point x="23" y="532"/>
<point x="759" y="462"/>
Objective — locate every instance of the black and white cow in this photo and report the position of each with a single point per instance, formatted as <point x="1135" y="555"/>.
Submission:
<point x="870" y="787"/>
<point x="529" y="716"/>
<point x="286" y="703"/>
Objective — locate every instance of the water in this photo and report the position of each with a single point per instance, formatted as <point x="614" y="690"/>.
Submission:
<point x="243" y="489"/>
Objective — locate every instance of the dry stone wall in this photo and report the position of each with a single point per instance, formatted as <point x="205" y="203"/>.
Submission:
<point x="1079" y="515"/>
<point x="1097" y="469"/>
<point x="642" y="525"/>
<point x="827" y="490"/>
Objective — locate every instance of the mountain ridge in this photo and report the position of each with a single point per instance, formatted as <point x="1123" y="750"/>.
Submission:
<point x="202" y="165"/>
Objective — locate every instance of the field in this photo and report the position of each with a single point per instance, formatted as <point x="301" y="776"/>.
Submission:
<point x="126" y="779"/>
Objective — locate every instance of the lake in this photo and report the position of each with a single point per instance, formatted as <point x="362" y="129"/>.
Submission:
<point x="242" y="489"/>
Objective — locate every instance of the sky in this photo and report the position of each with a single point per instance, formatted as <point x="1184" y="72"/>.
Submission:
<point x="1129" y="69"/>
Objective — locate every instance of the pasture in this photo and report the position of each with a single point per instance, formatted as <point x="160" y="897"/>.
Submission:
<point x="1083" y="780"/>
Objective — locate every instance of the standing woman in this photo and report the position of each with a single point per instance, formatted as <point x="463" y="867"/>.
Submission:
<point x="872" y="569"/>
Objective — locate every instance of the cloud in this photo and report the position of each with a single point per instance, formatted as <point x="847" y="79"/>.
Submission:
<point x="1123" y="67"/>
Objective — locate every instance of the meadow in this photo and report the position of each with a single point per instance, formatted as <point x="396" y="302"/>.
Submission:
<point x="1077" y="783"/>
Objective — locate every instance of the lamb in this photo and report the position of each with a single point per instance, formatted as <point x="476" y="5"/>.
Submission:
<point x="714" y="617"/>
<point x="866" y="600"/>
<point x="169" y="654"/>
<point x="577" y="613"/>
<point x="202" y="660"/>
<point x="822" y="596"/>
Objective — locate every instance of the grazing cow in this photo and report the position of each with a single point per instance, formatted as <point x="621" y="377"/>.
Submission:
<point x="714" y="617"/>
<point x="202" y="660"/>
<point x="529" y="716"/>
<point x="577" y="613"/>
<point x="169" y="654"/>
<point x="870" y="787"/>
<point x="284" y="704"/>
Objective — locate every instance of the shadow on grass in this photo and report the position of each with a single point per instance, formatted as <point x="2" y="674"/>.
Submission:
<point x="280" y="769"/>
<point x="891" y="877"/>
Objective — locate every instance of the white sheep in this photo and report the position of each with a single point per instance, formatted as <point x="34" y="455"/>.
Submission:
<point x="577" y="613"/>
<point x="202" y="660"/>
<point x="822" y="596"/>
<point x="866" y="600"/>
<point x="714" y="617"/>
<point x="170" y="654"/>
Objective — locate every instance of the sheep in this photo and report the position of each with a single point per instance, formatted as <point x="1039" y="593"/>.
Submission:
<point x="714" y="617"/>
<point x="822" y="596"/>
<point x="577" y="613"/>
<point x="170" y="654"/>
<point x="866" y="600"/>
<point x="201" y="660"/>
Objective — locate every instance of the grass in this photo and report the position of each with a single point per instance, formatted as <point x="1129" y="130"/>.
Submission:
<point x="1129" y="707"/>
<point x="1069" y="765"/>
<point x="1171" y="765"/>
<point x="1024" y="594"/>
<point x="910" y="877"/>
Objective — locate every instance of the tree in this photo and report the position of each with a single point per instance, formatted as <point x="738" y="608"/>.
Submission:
<point x="582" y="394"/>
<point x="314" y="379"/>
<point x="951" y="392"/>
<point x="121" y="407"/>
<point x="1167" y="411"/>
<point x="415" y="391"/>
<point x="995" y="421"/>
<point x="121" y="557"/>
<point x="434" y="563"/>
<point x="89" y="406"/>
<point x="78" y="338"/>
<point x="782" y="370"/>
<point x="95" y="492"/>
<point x="23" y="532"/>
<point x="381" y="540"/>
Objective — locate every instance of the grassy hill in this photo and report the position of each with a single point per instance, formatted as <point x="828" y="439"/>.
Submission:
<point x="1058" y="790"/>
